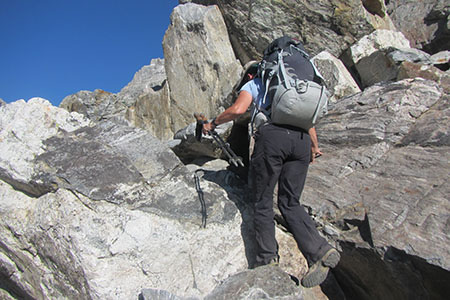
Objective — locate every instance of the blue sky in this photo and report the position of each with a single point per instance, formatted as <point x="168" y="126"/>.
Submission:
<point x="55" y="48"/>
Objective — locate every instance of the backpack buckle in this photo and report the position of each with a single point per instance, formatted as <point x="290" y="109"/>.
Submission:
<point x="301" y="86"/>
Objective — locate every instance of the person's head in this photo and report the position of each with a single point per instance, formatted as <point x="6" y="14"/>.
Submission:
<point x="252" y="72"/>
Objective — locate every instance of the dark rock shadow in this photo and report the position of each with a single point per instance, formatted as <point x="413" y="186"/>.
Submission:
<point x="331" y="288"/>
<point x="369" y="273"/>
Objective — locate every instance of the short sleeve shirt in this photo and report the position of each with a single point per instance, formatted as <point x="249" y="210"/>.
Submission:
<point x="256" y="89"/>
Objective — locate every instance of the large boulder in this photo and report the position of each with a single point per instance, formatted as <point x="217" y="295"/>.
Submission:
<point x="253" y="284"/>
<point x="368" y="44"/>
<point x="380" y="189"/>
<point x="384" y="65"/>
<point x="200" y="64"/>
<point x="321" y="25"/>
<point x="338" y="79"/>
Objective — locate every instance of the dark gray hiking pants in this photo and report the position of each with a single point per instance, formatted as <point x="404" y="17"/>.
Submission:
<point x="283" y="155"/>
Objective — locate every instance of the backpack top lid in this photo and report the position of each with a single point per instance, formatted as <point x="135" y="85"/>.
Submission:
<point x="296" y="62"/>
<point x="282" y="43"/>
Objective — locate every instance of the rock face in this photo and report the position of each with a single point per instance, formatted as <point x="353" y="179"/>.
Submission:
<point x="123" y="215"/>
<point x="424" y="23"/>
<point x="150" y="78"/>
<point x="24" y="127"/>
<point x="381" y="187"/>
<point x="200" y="64"/>
<point x="116" y="213"/>
<point x="148" y="101"/>
<point x="321" y="25"/>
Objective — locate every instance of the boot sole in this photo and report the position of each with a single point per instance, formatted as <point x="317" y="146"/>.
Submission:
<point x="319" y="272"/>
<point x="316" y="277"/>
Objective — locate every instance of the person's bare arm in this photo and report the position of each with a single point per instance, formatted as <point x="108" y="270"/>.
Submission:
<point x="315" y="150"/>
<point x="239" y="107"/>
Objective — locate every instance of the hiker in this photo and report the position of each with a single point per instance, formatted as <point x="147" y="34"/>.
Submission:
<point x="282" y="155"/>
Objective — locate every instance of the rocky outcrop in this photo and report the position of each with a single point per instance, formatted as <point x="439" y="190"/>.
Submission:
<point x="97" y="105"/>
<point x="424" y="23"/>
<point x="148" y="101"/>
<point x="144" y="102"/>
<point x="198" y="74"/>
<point x="150" y="78"/>
<point x="381" y="187"/>
<point x="123" y="212"/>
<point x="200" y="64"/>
<point x="23" y="128"/>
<point x="321" y="25"/>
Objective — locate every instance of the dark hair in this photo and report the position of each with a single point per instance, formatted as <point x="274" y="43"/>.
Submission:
<point x="253" y="69"/>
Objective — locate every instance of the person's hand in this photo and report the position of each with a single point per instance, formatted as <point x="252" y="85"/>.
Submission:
<point x="207" y="127"/>
<point x="315" y="153"/>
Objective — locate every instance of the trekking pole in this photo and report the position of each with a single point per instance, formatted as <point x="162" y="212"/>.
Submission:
<point x="200" y="197"/>
<point x="232" y="157"/>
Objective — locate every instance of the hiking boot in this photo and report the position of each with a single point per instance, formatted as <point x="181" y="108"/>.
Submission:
<point x="319" y="271"/>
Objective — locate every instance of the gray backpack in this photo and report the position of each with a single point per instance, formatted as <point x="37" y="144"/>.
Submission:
<point x="294" y="89"/>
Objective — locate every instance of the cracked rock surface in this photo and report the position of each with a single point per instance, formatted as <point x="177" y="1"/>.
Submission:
<point x="380" y="188"/>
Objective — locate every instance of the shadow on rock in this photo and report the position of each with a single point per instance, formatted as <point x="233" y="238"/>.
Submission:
<point x="239" y="193"/>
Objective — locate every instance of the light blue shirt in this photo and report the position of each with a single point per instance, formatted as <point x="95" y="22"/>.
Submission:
<point x="256" y="89"/>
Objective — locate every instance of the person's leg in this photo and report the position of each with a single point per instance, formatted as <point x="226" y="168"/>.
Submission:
<point x="266" y="166"/>
<point x="320" y="255"/>
<point x="290" y="186"/>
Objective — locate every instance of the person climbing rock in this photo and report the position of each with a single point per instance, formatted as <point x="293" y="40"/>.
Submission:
<point x="282" y="155"/>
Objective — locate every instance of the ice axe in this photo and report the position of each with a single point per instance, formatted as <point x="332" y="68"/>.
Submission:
<point x="232" y="157"/>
